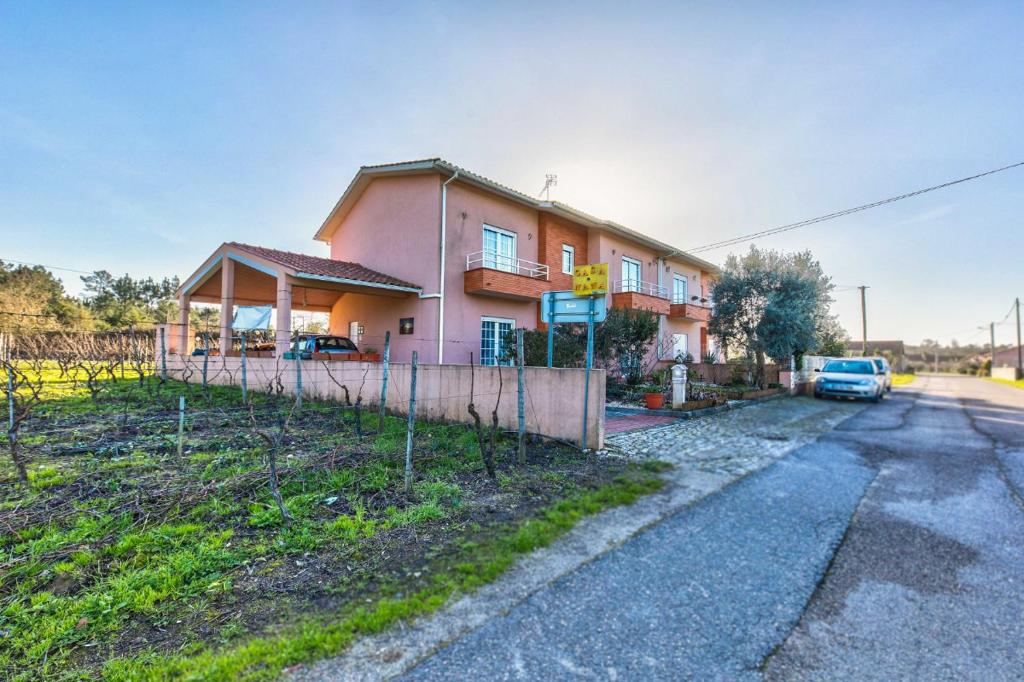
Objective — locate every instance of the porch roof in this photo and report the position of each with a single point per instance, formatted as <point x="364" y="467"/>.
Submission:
<point x="317" y="282"/>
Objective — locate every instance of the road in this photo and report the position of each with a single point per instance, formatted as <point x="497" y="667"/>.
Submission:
<point x="891" y="547"/>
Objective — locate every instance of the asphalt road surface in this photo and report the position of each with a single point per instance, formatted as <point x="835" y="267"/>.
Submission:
<point x="891" y="548"/>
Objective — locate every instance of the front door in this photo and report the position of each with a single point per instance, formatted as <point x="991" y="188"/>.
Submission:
<point x="680" y="345"/>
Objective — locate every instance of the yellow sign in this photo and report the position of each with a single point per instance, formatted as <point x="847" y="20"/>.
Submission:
<point x="590" y="279"/>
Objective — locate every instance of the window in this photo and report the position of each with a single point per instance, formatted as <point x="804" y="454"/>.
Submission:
<point x="493" y="333"/>
<point x="499" y="249"/>
<point x="568" y="259"/>
<point x="630" y="274"/>
<point x="679" y="288"/>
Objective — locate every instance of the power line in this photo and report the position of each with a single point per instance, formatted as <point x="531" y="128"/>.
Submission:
<point x="42" y="265"/>
<point x="844" y="212"/>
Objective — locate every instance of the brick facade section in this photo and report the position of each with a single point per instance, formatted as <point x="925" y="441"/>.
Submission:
<point x="487" y="282"/>
<point x="632" y="300"/>
<point x="688" y="311"/>
<point x="552" y="232"/>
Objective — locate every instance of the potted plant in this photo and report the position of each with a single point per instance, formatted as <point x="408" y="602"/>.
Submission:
<point x="654" y="393"/>
<point x="654" y="398"/>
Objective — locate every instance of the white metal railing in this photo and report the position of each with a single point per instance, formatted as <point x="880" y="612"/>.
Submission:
<point x="640" y="287"/>
<point x="690" y="300"/>
<point x="497" y="261"/>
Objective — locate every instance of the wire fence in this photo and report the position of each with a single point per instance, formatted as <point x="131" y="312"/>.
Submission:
<point x="121" y="392"/>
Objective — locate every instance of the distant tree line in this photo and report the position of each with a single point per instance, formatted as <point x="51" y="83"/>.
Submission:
<point x="32" y="299"/>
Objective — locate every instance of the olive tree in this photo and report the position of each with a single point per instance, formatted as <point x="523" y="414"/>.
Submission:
<point x="771" y="304"/>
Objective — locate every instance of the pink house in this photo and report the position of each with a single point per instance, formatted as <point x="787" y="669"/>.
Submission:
<point x="447" y="261"/>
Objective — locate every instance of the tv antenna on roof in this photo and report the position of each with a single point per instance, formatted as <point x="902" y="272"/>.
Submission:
<point x="550" y="180"/>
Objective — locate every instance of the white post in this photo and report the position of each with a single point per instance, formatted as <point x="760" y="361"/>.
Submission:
<point x="678" y="385"/>
<point x="283" y="332"/>
<point x="227" y="303"/>
<point x="184" y="341"/>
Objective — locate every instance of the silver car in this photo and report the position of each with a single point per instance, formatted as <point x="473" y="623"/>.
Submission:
<point x="849" y="378"/>
<point x="884" y="371"/>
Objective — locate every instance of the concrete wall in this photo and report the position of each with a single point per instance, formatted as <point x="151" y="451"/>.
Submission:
<point x="553" y="397"/>
<point x="1011" y="373"/>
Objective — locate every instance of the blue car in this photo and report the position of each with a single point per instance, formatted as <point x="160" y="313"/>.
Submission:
<point x="307" y="344"/>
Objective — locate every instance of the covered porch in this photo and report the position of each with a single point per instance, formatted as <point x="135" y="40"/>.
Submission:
<point x="242" y="274"/>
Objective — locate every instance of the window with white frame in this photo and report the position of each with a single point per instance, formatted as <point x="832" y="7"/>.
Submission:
<point x="630" y="274"/>
<point x="493" y="336"/>
<point x="568" y="258"/>
<point x="499" y="249"/>
<point x="679" y="288"/>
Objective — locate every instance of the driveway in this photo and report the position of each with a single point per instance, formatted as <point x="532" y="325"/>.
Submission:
<point x="802" y="540"/>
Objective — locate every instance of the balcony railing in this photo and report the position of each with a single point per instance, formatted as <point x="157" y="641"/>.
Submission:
<point x="638" y="286"/>
<point x="497" y="261"/>
<point x="690" y="300"/>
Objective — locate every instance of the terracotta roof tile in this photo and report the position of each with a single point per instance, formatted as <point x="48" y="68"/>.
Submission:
<point x="327" y="267"/>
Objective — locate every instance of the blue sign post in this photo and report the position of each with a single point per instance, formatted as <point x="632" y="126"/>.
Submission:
<point x="564" y="307"/>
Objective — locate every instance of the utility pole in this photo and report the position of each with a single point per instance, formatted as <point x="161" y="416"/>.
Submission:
<point x="863" y="321"/>
<point x="992" y="344"/>
<point x="1020" y="355"/>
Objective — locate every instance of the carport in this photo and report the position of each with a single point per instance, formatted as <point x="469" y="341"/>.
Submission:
<point x="242" y="274"/>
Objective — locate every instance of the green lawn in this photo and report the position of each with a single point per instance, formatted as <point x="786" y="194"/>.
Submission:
<point x="121" y="561"/>
<point x="902" y="379"/>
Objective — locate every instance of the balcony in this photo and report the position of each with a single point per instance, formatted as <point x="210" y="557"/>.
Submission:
<point x="492" y="274"/>
<point x="693" y="310"/>
<point x="633" y="294"/>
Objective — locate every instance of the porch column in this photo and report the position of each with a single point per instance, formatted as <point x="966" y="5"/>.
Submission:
<point x="283" y="335"/>
<point x="227" y="302"/>
<point x="184" y="302"/>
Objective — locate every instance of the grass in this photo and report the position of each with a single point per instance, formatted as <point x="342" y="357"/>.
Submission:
<point x="120" y="561"/>
<point x="902" y="379"/>
<point x="1019" y="383"/>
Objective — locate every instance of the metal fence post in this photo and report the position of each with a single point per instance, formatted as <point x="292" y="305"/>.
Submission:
<point x="551" y="329"/>
<point x="181" y="424"/>
<point x="163" y="356"/>
<point x="384" y="381"/>
<point x="245" y="385"/>
<point x="298" y="376"/>
<point x="586" y="375"/>
<point x="521" y="456"/>
<point x="206" y="357"/>
<point x="410" y="426"/>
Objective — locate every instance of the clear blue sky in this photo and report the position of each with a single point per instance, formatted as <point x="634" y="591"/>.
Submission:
<point x="136" y="137"/>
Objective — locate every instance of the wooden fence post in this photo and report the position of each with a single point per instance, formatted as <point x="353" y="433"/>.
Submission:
<point x="10" y="401"/>
<point x="410" y="425"/>
<point x="384" y="382"/>
<point x="163" y="356"/>
<point x="521" y="453"/>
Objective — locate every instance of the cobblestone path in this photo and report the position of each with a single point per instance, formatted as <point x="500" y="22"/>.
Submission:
<point x="738" y="441"/>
